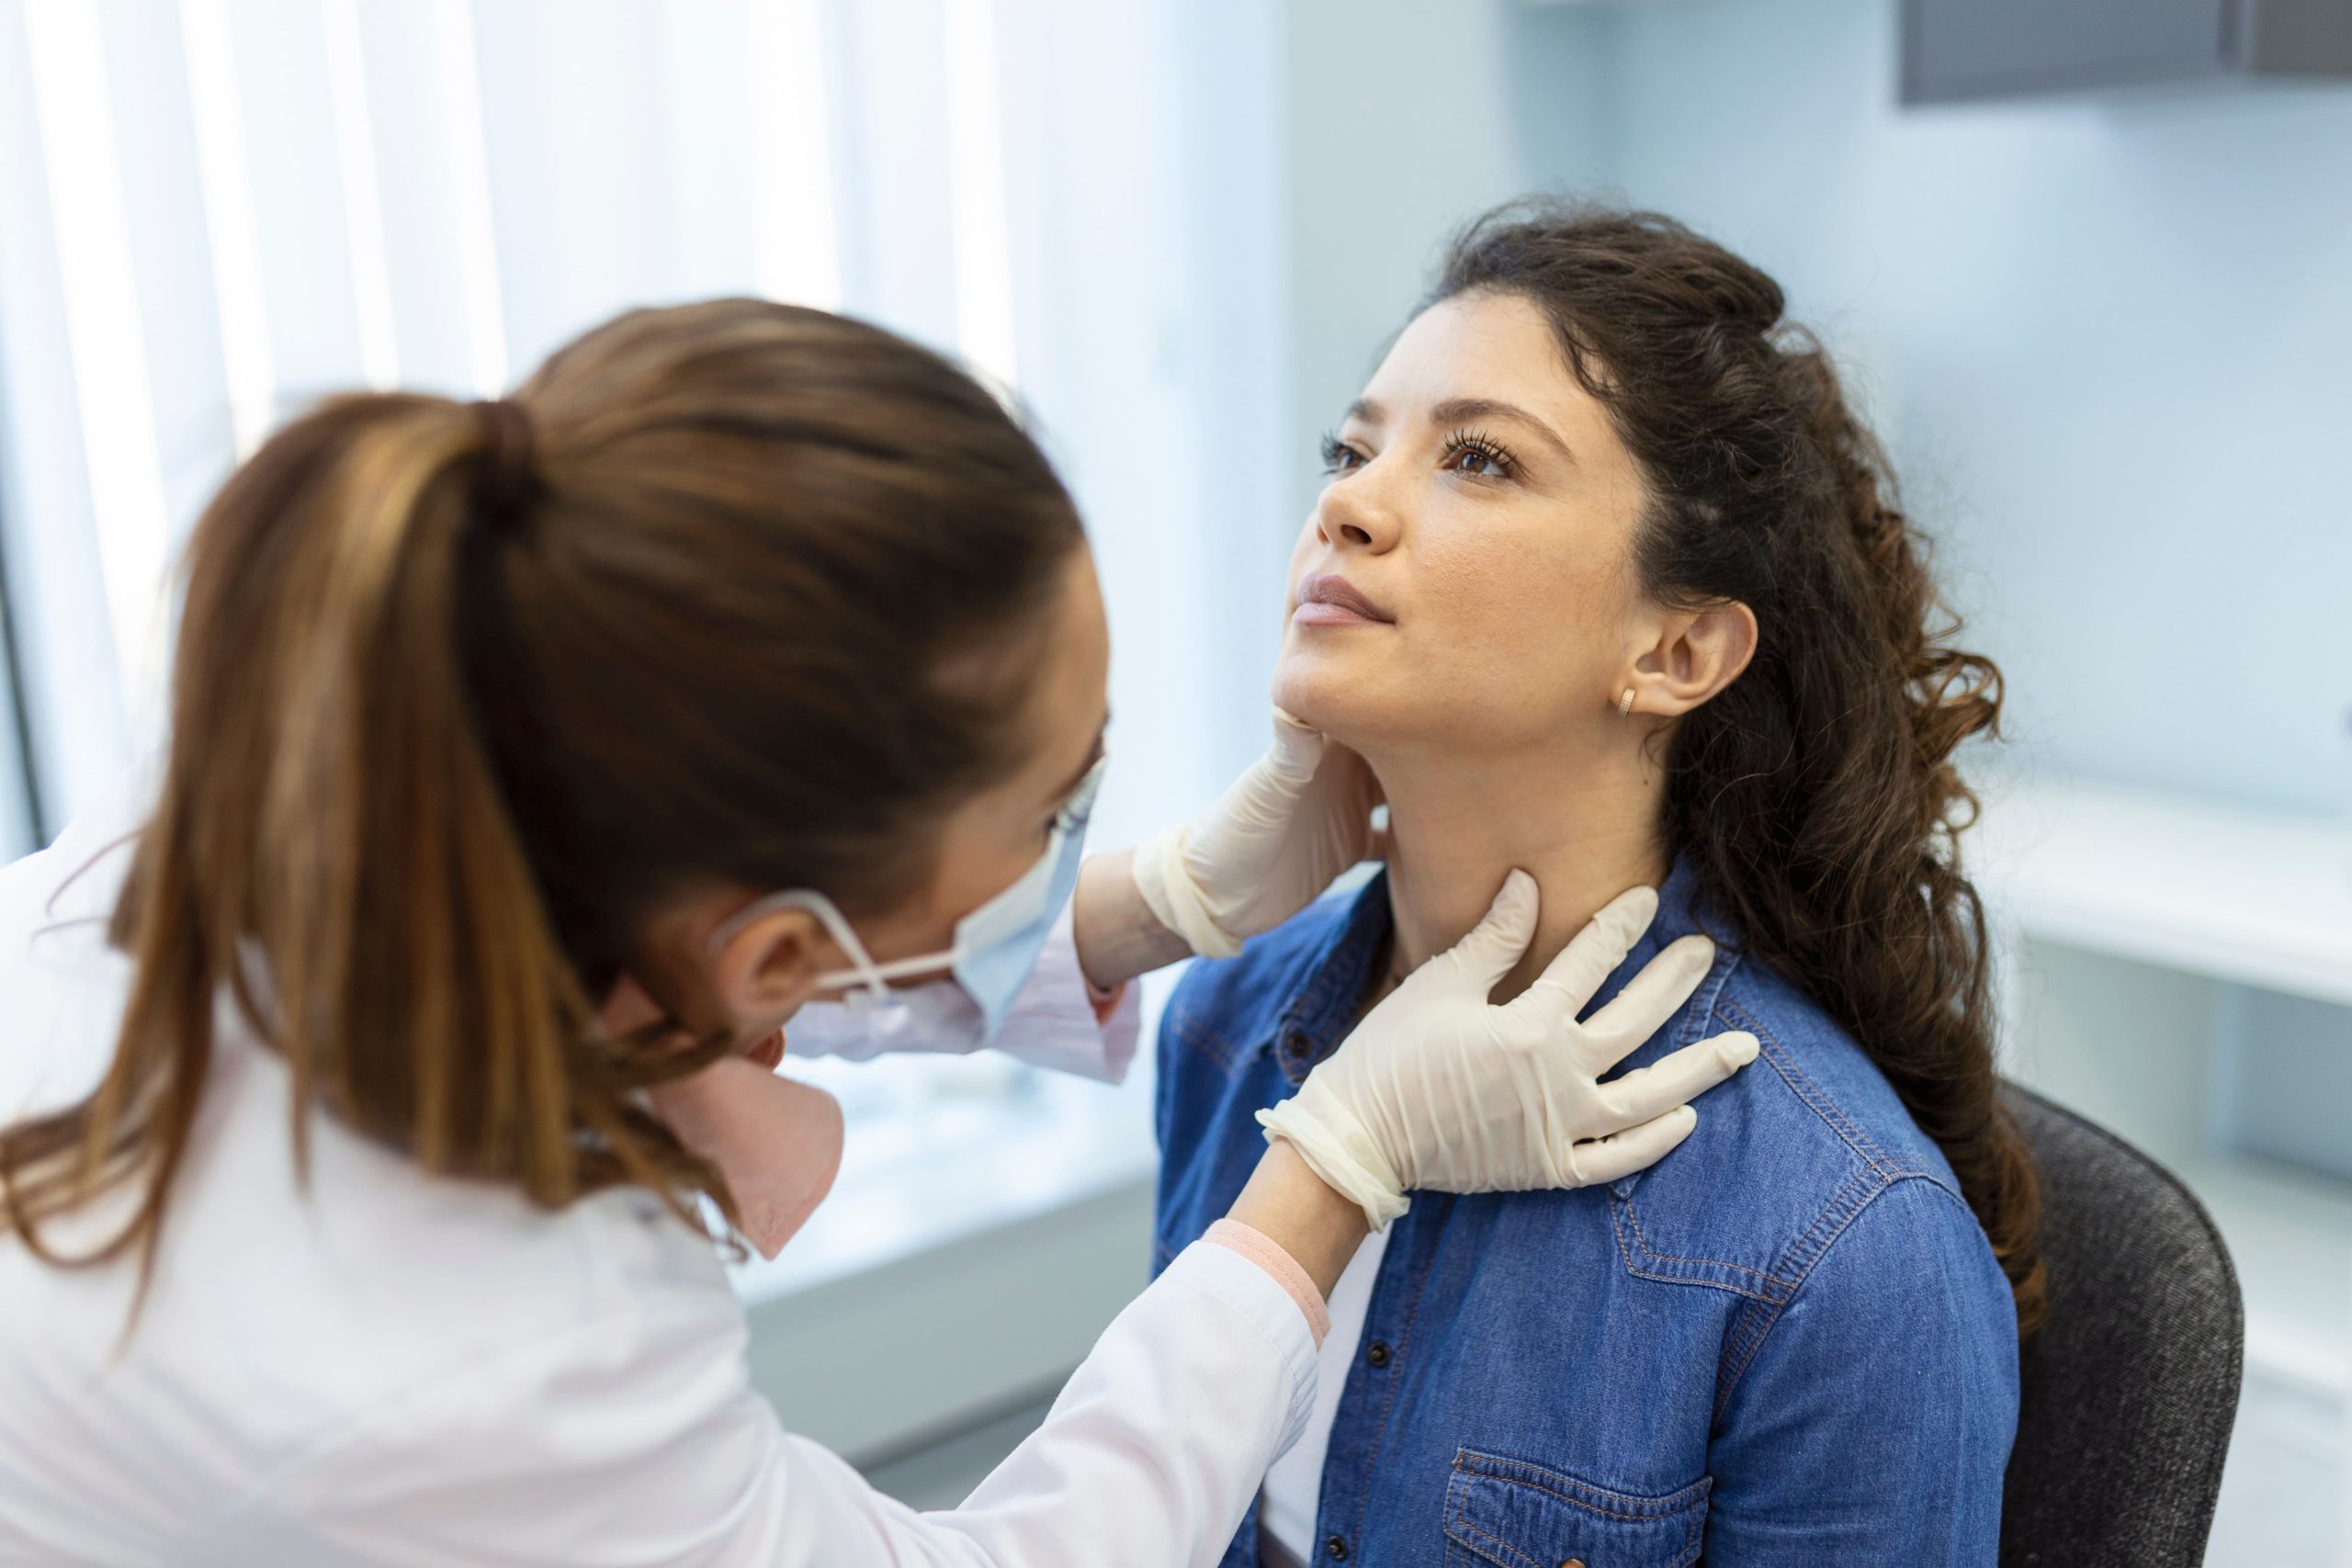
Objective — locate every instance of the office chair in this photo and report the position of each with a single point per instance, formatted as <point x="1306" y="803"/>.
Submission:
<point x="2131" y="1386"/>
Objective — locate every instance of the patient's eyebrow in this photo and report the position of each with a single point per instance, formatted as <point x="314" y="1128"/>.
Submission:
<point x="1363" y="410"/>
<point x="1462" y="410"/>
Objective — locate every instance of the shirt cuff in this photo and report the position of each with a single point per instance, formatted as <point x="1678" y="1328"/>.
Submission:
<point x="1267" y="1254"/>
<point x="1245" y="1289"/>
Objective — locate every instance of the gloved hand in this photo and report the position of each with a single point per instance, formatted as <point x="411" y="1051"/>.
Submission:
<point x="1267" y="849"/>
<point x="1438" y="1088"/>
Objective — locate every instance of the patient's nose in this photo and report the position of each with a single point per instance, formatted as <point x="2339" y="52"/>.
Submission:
<point x="1354" y="514"/>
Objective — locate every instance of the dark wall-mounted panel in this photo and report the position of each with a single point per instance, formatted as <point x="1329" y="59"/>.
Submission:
<point x="1955" y="49"/>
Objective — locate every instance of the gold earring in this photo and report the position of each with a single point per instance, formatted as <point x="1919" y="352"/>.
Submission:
<point x="1626" y="704"/>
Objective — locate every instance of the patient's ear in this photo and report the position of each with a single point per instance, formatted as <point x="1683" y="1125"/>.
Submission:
<point x="1695" y="654"/>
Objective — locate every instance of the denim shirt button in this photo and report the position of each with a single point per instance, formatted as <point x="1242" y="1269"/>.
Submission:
<point x="1337" y="1548"/>
<point x="1376" y="1353"/>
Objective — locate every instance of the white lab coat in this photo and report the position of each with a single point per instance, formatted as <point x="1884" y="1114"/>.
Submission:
<point x="395" y="1368"/>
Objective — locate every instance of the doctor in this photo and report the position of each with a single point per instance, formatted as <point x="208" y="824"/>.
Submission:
<point x="532" y="763"/>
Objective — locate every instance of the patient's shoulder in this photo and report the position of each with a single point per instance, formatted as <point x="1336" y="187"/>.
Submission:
<point x="1786" y="1156"/>
<point x="1821" y="1082"/>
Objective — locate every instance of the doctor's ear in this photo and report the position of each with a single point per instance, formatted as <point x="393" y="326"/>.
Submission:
<point x="770" y="966"/>
<point x="1692" y="655"/>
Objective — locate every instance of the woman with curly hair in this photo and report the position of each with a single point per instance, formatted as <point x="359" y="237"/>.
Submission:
<point x="1608" y="583"/>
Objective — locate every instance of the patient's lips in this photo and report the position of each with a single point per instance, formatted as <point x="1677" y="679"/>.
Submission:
<point x="1328" y="601"/>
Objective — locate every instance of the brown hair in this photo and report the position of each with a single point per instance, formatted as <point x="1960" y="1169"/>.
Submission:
<point x="464" y="693"/>
<point x="1816" y="793"/>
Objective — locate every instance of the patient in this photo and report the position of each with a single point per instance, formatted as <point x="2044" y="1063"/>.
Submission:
<point x="1609" y="583"/>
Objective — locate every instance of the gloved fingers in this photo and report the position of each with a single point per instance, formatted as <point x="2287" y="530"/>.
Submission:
<point x="1499" y="941"/>
<point x="1600" y="1160"/>
<point x="1298" y="750"/>
<point x="1257" y="810"/>
<point x="1649" y="999"/>
<point x="1569" y="980"/>
<point x="1680" y="1077"/>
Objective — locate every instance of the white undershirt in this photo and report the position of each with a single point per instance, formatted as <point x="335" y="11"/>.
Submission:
<point x="1286" y="1509"/>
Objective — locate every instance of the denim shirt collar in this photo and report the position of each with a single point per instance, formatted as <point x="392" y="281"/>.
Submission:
<point x="1322" y="1006"/>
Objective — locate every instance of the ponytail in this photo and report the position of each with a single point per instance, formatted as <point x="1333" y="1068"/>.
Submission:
<point x="464" y="693"/>
<point x="1816" y="795"/>
<point x="337" y="816"/>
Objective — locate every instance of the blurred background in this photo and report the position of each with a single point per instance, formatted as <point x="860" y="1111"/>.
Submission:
<point x="2095" y="284"/>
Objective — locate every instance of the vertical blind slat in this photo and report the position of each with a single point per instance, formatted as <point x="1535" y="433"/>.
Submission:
<point x="99" y="290"/>
<point x="231" y="232"/>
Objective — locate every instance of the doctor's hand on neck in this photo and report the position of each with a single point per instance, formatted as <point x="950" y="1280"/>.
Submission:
<point x="1294" y="820"/>
<point x="1441" y="1088"/>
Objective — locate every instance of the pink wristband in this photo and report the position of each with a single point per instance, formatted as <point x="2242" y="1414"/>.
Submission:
<point x="1267" y="1254"/>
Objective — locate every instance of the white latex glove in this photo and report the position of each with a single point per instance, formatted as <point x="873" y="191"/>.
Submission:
<point x="1440" y="1089"/>
<point x="1267" y="849"/>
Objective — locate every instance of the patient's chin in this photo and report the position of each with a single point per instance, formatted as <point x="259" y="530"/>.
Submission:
<point x="1380" y="713"/>
<point x="1327" y="699"/>
<point x="1303" y="691"/>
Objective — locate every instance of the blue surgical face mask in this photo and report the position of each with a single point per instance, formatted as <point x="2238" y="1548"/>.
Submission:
<point x="996" y="945"/>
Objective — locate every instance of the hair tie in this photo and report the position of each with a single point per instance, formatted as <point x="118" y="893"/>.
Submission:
<point x="509" y="479"/>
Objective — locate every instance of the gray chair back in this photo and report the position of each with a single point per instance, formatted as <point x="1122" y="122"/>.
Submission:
<point x="2130" y="1387"/>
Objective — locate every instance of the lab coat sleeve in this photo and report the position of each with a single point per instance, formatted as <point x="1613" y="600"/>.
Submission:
<point x="1055" y="1022"/>
<point x="644" y="1444"/>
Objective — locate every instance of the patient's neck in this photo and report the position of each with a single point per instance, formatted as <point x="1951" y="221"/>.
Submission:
<point x="1584" y="825"/>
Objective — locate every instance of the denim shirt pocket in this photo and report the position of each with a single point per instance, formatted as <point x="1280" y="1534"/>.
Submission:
<point x="1509" y="1513"/>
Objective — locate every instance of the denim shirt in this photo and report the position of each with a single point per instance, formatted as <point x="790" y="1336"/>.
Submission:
<point x="1788" y="1343"/>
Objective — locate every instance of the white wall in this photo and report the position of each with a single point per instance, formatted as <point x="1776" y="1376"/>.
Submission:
<point x="1145" y="275"/>
<point x="1404" y="118"/>
<point x="2108" y="338"/>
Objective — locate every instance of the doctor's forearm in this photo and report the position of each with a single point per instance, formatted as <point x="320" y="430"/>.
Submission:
<point x="1118" y="936"/>
<point x="1293" y="1208"/>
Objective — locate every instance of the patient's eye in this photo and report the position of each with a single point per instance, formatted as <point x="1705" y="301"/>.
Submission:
<point x="1478" y="456"/>
<point x="1339" y="457"/>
